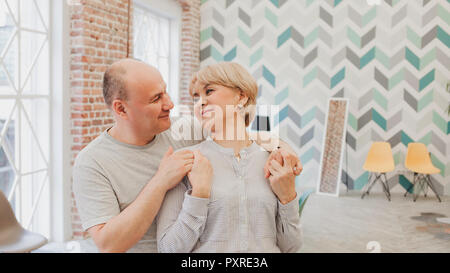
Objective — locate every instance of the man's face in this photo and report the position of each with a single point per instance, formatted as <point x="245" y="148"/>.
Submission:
<point x="148" y="105"/>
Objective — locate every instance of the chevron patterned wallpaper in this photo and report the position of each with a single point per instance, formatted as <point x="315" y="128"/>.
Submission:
<point x="391" y="59"/>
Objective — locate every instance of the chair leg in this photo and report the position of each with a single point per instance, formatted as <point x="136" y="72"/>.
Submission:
<point x="386" y="184"/>
<point x="411" y="186"/>
<point x="369" y="185"/>
<point x="428" y="180"/>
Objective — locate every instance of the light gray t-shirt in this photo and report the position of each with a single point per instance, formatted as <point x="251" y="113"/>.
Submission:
<point x="108" y="175"/>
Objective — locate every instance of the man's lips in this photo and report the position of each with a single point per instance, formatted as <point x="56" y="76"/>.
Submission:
<point x="165" y="116"/>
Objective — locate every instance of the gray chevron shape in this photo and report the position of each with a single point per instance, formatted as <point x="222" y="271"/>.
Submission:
<point x="354" y="16"/>
<point x="351" y="140"/>
<point x="339" y="94"/>
<point x="245" y="17"/>
<point x="218" y="17"/>
<point x="390" y="2"/>
<point x="205" y="53"/>
<point x="410" y="100"/>
<point x="395" y="139"/>
<point x="341" y="55"/>
<point x="257" y="37"/>
<point x="411" y="79"/>
<point x="217" y="36"/>
<point x="364" y="119"/>
<point x="303" y="61"/>
<point x="397" y="58"/>
<point x="426" y="2"/>
<point x="400" y="15"/>
<point x="325" y="37"/>
<point x="375" y="137"/>
<point x="365" y="99"/>
<point x="381" y="79"/>
<point x="306" y="137"/>
<point x="229" y="3"/>
<point x="297" y="37"/>
<point x="427" y="38"/>
<point x="326" y="16"/>
<point x="442" y="57"/>
<point x="255" y="3"/>
<point x="352" y="57"/>
<point x="394" y="120"/>
<point x="438" y="143"/>
<point x="369" y="36"/>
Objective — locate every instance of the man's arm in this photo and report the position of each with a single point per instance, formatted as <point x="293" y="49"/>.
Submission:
<point x="125" y="229"/>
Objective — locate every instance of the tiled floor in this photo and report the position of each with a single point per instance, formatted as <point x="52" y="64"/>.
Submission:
<point x="348" y="223"/>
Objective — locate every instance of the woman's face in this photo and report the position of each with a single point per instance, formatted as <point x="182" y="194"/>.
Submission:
<point x="215" y="105"/>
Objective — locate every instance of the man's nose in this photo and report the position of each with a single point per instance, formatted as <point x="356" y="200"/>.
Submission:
<point x="167" y="102"/>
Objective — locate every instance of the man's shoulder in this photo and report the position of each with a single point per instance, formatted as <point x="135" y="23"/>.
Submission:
<point x="88" y="153"/>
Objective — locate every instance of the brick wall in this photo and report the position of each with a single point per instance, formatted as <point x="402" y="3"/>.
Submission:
<point x="101" y="33"/>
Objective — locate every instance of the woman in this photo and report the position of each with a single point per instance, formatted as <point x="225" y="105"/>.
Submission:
<point x="239" y="210"/>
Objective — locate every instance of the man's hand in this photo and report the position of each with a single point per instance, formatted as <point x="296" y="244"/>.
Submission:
<point x="282" y="179"/>
<point x="200" y="176"/>
<point x="290" y="156"/>
<point x="174" y="166"/>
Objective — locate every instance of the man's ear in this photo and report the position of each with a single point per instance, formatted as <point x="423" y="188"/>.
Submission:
<point x="119" y="108"/>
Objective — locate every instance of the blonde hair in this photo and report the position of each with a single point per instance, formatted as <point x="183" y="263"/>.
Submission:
<point x="231" y="75"/>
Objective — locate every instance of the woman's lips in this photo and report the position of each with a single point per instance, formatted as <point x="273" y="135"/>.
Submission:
<point x="206" y="111"/>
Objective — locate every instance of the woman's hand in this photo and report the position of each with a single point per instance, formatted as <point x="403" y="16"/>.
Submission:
<point x="200" y="176"/>
<point x="282" y="179"/>
<point x="289" y="155"/>
<point x="173" y="167"/>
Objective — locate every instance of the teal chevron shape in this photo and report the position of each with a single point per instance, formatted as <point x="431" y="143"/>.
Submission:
<point x="443" y="36"/>
<point x="367" y="58"/>
<point x="255" y="57"/>
<point x="278" y="3"/>
<point x="310" y="154"/>
<point x="443" y="13"/>
<point x="362" y="180"/>
<point x="412" y="58"/>
<point x="284" y="36"/>
<point x="282" y="95"/>
<point x="244" y="37"/>
<point x="271" y="17"/>
<point x="308" y="117"/>
<point x="378" y="119"/>
<point x="269" y="76"/>
<point x="426" y="80"/>
<point x="402" y="180"/>
<point x="337" y="2"/>
<point x="310" y="38"/>
<point x="310" y="77"/>
<point x="336" y="79"/>
<point x="230" y="55"/>
<point x="440" y="122"/>
<point x="405" y="139"/>
<point x="380" y="99"/>
<point x="448" y="124"/>
<point x="210" y="51"/>
<point x="352" y="121"/>
<point x="205" y="34"/>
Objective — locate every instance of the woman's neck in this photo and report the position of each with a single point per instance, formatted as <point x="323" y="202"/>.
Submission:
<point x="236" y="139"/>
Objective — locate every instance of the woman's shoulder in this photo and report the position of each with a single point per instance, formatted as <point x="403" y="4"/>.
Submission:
<point x="198" y="146"/>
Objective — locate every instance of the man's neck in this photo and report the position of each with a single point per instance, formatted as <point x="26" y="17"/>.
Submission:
<point x="129" y="137"/>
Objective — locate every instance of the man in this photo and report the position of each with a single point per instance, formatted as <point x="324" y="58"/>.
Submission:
<point x="120" y="179"/>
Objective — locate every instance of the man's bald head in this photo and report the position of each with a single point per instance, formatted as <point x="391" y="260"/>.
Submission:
<point x="117" y="76"/>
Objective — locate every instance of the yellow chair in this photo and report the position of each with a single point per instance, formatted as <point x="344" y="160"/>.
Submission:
<point x="418" y="161"/>
<point x="379" y="161"/>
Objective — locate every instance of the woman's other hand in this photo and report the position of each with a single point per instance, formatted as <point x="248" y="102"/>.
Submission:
<point x="201" y="176"/>
<point x="282" y="179"/>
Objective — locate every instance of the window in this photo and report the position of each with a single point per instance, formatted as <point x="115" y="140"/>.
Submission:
<point x="25" y="110"/>
<point x="156" y="39"/>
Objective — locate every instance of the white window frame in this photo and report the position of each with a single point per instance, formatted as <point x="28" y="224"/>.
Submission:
<point x="171" y="10"/>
